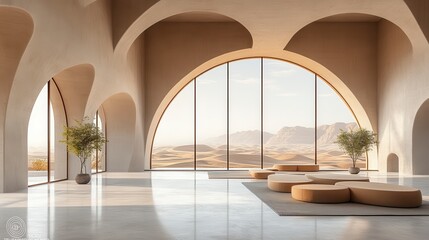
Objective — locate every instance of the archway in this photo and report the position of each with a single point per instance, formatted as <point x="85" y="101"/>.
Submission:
<point x="420" y="144"/>
<point x="392" y="163"/>
<point x="330" y="78"/>
<point x="253" y="113"/>
<point x="120" y="121"/>
<point x="16" y="29"/>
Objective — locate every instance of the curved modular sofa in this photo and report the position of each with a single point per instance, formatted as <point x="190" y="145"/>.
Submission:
<point x="284" y="182"/>
<point x="321" y="193"/>
<point x="383" y="194"/>
<point x="297" y="167"/>
<point x="334" y="178"/>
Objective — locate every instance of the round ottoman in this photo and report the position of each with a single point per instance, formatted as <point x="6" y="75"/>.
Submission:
<point x="321" y="193"/>
<point x="284" y="182"/>
<point x="260" y="173"/>
<point x="334" y="178"/>
<point x="383" y="194"/>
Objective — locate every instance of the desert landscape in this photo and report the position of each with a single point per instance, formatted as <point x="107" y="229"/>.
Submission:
<point x="288" y="145"/>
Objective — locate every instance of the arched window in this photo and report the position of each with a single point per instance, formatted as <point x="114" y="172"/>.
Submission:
<point x="98" y="160"/>
<point x="47" y="158"/>
<point x="253" y="113"/>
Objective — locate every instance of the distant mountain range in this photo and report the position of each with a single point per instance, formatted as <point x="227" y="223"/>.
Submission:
<point x="326" y="134"/>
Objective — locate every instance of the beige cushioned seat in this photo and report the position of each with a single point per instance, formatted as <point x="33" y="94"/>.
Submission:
<point x="297" y="167"/>
<point x="308" y="168"/>
<point x="284" y="182"/>
<point x="334" y="178"/>
<point x="321" y="193"/>
<point x="285" y="167"/>
<point x="383" y="194"/>
<point x="260" y="173"/>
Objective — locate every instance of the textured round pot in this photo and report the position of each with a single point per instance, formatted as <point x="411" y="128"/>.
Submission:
<point x="83" y="178"/>
<point x="354" y="170"/>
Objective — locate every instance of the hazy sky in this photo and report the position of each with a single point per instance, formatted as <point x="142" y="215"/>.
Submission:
<point x="288" y="99"/>
<point x="37" y="127"/>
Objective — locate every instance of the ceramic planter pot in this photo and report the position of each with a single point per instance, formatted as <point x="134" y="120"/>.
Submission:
<point x="83" y="178"/>
<point x="354" y="170"/>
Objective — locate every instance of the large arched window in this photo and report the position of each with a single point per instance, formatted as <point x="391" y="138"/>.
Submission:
<point x="47" y="158"/>
<point x="253" y="113"/>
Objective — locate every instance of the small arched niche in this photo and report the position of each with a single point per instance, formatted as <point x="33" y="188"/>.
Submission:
<point x="420" y="144"/>
<point x="392" y="163"/>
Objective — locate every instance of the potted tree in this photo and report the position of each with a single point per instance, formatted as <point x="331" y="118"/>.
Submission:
<point x="355" y="144"/>
<point x="82" y="140"/>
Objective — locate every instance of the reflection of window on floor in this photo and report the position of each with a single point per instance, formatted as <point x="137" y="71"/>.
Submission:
<point x="253" y="113"/>
<point x="98" y="159"/>
<point x="47" y="158"/>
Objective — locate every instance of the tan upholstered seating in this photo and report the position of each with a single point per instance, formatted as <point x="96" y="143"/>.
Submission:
<point x="383" y="194"/>
<point x="285" y="167"/>
<point x="297" y="167"/>
<point x="308" y="168"/>
<point x="260" y="173"/>
<point x="334" y="178"/>
<point x="321" y="193"/>
<point x="284" y="182"/>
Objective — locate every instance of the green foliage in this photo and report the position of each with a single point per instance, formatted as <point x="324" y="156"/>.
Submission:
<point x="356" y="143"/>
<point x="82" y="139"/>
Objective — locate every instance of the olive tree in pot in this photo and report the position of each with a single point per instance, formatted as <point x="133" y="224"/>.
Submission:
<point x="355" y="143"/>
<point x="82" y="140"/>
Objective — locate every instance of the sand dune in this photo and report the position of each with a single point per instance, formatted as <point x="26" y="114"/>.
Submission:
<point x="289" y="145"/>
<point x="249" y="158"/>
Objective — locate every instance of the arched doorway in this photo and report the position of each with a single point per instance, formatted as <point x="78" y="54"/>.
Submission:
<point x="421" y="140"/>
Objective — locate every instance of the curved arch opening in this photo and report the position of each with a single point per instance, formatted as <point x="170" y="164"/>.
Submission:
<point x="421" y="139"/>
<point x="61" y="101"/>
<point x="253" y="113"/>
<point x="119" y="113"/>
<point x="16" y="29"/>
<point x="188" y="29"/>
<point x="47" y="158"/>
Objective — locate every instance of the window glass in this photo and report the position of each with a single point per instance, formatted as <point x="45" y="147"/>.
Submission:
<point x="173" y="146"/>
<point x="211" y="123"/>
<point x="289" y="109"/>
<point x="38" y="140"/>
<point x="245" y="114"/>
<point x="332" y="115"/>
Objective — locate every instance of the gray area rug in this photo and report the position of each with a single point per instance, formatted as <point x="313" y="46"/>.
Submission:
<point x="284" y="205"/>
<point x="229" y="175"/>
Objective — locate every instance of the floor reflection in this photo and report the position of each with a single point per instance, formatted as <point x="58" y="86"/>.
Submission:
<point x="186" y="205"/>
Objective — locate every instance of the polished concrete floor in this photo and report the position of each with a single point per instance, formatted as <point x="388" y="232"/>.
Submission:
<point x="184" y="205"/>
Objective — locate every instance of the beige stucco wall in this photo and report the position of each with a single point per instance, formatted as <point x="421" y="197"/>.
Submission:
<point x="403" y="87"/>
<point x="66" y="34"/>
<point x="350" y="51"/>
<point x="382" y="68"/>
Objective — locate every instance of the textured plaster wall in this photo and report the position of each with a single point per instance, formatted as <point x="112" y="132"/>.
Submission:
<point x="382" y="67"/>
<point x="66" y="34"/>
<point x="403" y="87"/>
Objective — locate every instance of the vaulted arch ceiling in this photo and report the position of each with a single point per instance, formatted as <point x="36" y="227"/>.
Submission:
<point x="273" y="25"/>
